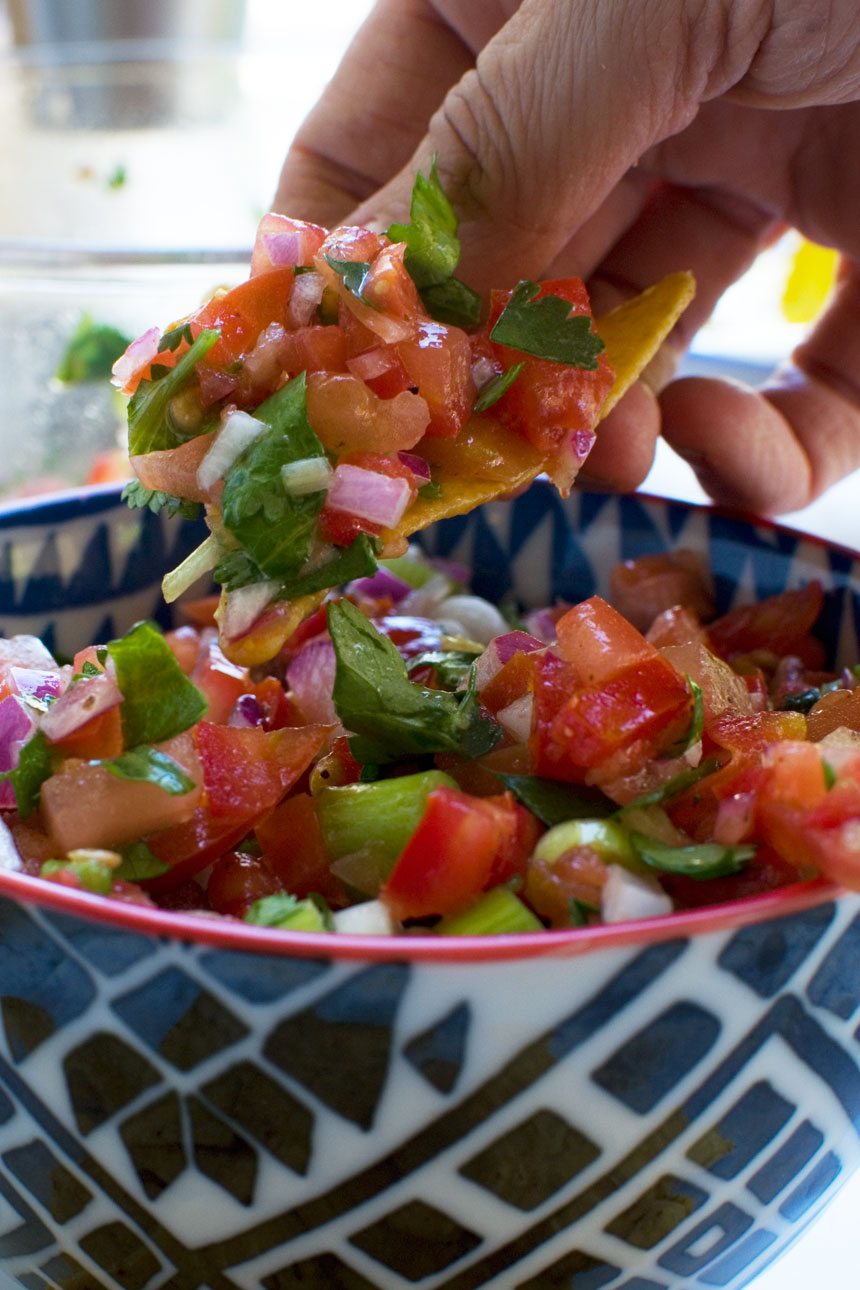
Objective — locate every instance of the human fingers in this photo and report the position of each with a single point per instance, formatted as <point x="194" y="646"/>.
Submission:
<point x="376" y="107"/>
<point x="561" y="104"/>
<point x="777" y="450"/>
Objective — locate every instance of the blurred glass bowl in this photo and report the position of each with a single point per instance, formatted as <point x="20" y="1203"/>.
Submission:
<point x="57" y="435"/>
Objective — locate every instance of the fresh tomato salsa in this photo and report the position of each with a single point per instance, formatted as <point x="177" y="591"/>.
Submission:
<point x="414" y="761"/>
<point x="352" y="391"/>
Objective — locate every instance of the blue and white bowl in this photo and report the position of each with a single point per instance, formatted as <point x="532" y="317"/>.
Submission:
<point x="192" y="1103"/>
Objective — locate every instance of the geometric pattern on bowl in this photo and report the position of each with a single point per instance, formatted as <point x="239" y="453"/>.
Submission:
<point x="183" y="1116"/>
<point x="641" y="1117"/>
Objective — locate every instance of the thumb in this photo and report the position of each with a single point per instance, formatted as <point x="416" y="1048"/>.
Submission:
<point x="560" y="104"/>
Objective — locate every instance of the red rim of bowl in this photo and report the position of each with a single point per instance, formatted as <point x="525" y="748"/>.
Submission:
<point x="218" y="932"/>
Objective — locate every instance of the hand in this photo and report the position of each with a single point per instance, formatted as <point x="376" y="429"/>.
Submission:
<point x="621" y="142"/>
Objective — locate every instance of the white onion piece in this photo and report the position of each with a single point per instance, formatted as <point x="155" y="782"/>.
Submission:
<point x="424" y="601"/>
<point x="9" y="857"/>
<point x="479" y="620"/>
<point x="369" y="918"/>
<point x="82" y="701"/>
<point x="516" y="718"/>
<point x="310" y="678"/>
<point x="238" y="431"/>
<point x="310" y="475"/>
<point x="305" y="296"/>
<point x="627" y="896"/>
<point x="373" y="362"/>
<point x="368" y="495"/>
<point x="734" y="819"/>
<point x="243" y="607"/>
<point x="26" y="651"/>
<point x="139" y="354"/>
<point x="483" y="371"/>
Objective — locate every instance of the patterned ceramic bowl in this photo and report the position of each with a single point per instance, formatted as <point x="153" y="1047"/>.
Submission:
<point x="191" y="1103"/>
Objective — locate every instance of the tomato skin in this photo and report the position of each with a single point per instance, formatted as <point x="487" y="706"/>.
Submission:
<point x="99" y="738"/>
<point x="295" y="852"/>
<point x="599" y="642"/>
<point x="220" y="681"/>
<point x="439" y="362"/>
<point x="449" y="858"/>
<point x="237" y="880"/>
<point x="313" y="349"/>
<point x="242" y="313"/>
<point x="779" y="623"/>
<point x="549" y="403"/>
<point x="247" y="770"/>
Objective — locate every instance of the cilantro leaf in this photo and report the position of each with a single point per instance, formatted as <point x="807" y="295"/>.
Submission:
<point x="545" y="327"/>
<point x="389" y="715"/>
<point x="678" y="783"/>
<point x="450" y="665"/>
<point x="452" y="302"/>
<point x="150" y="766"/>
<point x="91" y="351"/>
<point x="149" y="428"/>
<point x="158" y="699"/>
<point x="701" y="860"/>
<point x="432" y="245"/>
<point x="354" y="274"/>
<point x="138" y="863"/>
<point x="554" y="802"/>
<point x="495" y="388"/>
<point x="138" y="498"/>
<point x="274" y="529"/>
<point x="34" y="767"/>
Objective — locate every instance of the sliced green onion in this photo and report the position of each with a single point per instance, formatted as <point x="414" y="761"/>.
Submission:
<point x="201" y="560"/>
<point x="385" y="812"/>
<point x="607" y="837"/>
<point x="310" y="475"/>
<point x="287" y="913"/>
<point x="497" y="912"/>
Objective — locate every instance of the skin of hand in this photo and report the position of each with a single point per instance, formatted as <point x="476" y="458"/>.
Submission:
<point x="621" y="142"/>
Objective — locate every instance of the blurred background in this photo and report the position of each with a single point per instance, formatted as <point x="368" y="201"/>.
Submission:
<point x="141" y="142"/>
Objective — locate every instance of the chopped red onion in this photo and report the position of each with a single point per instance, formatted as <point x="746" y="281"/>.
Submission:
<point x="83" y="700"/>
<point x="734" y="819"/>
<point x="16" y="726"/>
<point x="36" y="685"/>
<point x="247" y="711"/>
<point x="541" y="624"/>
<point x="310" y="677"/>
<point x="454" y="569"/>
<point x="516" y="718"/>
<point x="368" y="495"/>
<point x="499" y="651"/>
<point x="139" y="354"/>
<point x="383" y="583"/>
<point x="283" y="248"/>
<point x="417" y="465"/>
<point x="305" y="296"/>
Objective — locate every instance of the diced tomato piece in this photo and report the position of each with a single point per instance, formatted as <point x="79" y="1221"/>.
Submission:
<point x="282" y="240"/>
<point x="646" y="586"/>
<point x="313" y="349"/>
<point x="99" y="738"/>
<point x="438" y="362"/>
<point x="767" y="871"/>
<point x="174" y="470"/>
<point x="513" y="679"/>
<point x="192" y="845"/>
<point x="220" y="681"/>
<point x="237" y="880"/>
<point x="202" y="611"/>
<point x="547" y="403"/>
<point x="294" y="848"/>
<point x="519" y="833"/>
<point x="576" y="876"/>
<point x="242" y="313"/>
<point x="780" y="623"/>
<point x="449" y="858"/>
<point x="599" y="642"/>
<point x="348" y="416"/>
<point x="247" y="770"/>
<point x="184" y="643"/>
<point x="412" y="635"/>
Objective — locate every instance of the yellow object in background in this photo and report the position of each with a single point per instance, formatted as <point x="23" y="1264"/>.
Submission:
<point x="813" y="272"/>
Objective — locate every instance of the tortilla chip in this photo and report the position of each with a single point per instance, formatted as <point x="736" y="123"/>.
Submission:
<point x="486" y="461"/>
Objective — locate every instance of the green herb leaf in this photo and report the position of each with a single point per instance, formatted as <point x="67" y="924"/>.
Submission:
<point x="91" y="352"/>
<point x="148" y="765"/>
<point x="546" y="328"/>
<point x="138" y="863"/>
<point x="354" y="274"/>
<point x="137" y="498"/>
<point x="274" y="530"/>
<point x="451" y="666"/>
<point x="697" y="721"/>
<point x="494" y="389"/>
<point x="34" y="767"/>
<point x="389" y="715"/>
<point x="432" y="245"/>
<point x="358" y="560"/>
<point x="148" y="426"/>
<point x="701" y="860"/>
<point x="452" y="302"/>
<point x="158" y="699"/>
<point x="554" y="802"/>
<point x="118" y="177"/>
<point x="431" y="490"/>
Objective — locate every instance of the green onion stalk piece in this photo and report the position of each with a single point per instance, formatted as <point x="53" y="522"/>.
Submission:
<point x="497" y="912"/>
<point x="287" y="913"/>
<point x="384" y="812"/>
<point x="607" y="837"/>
